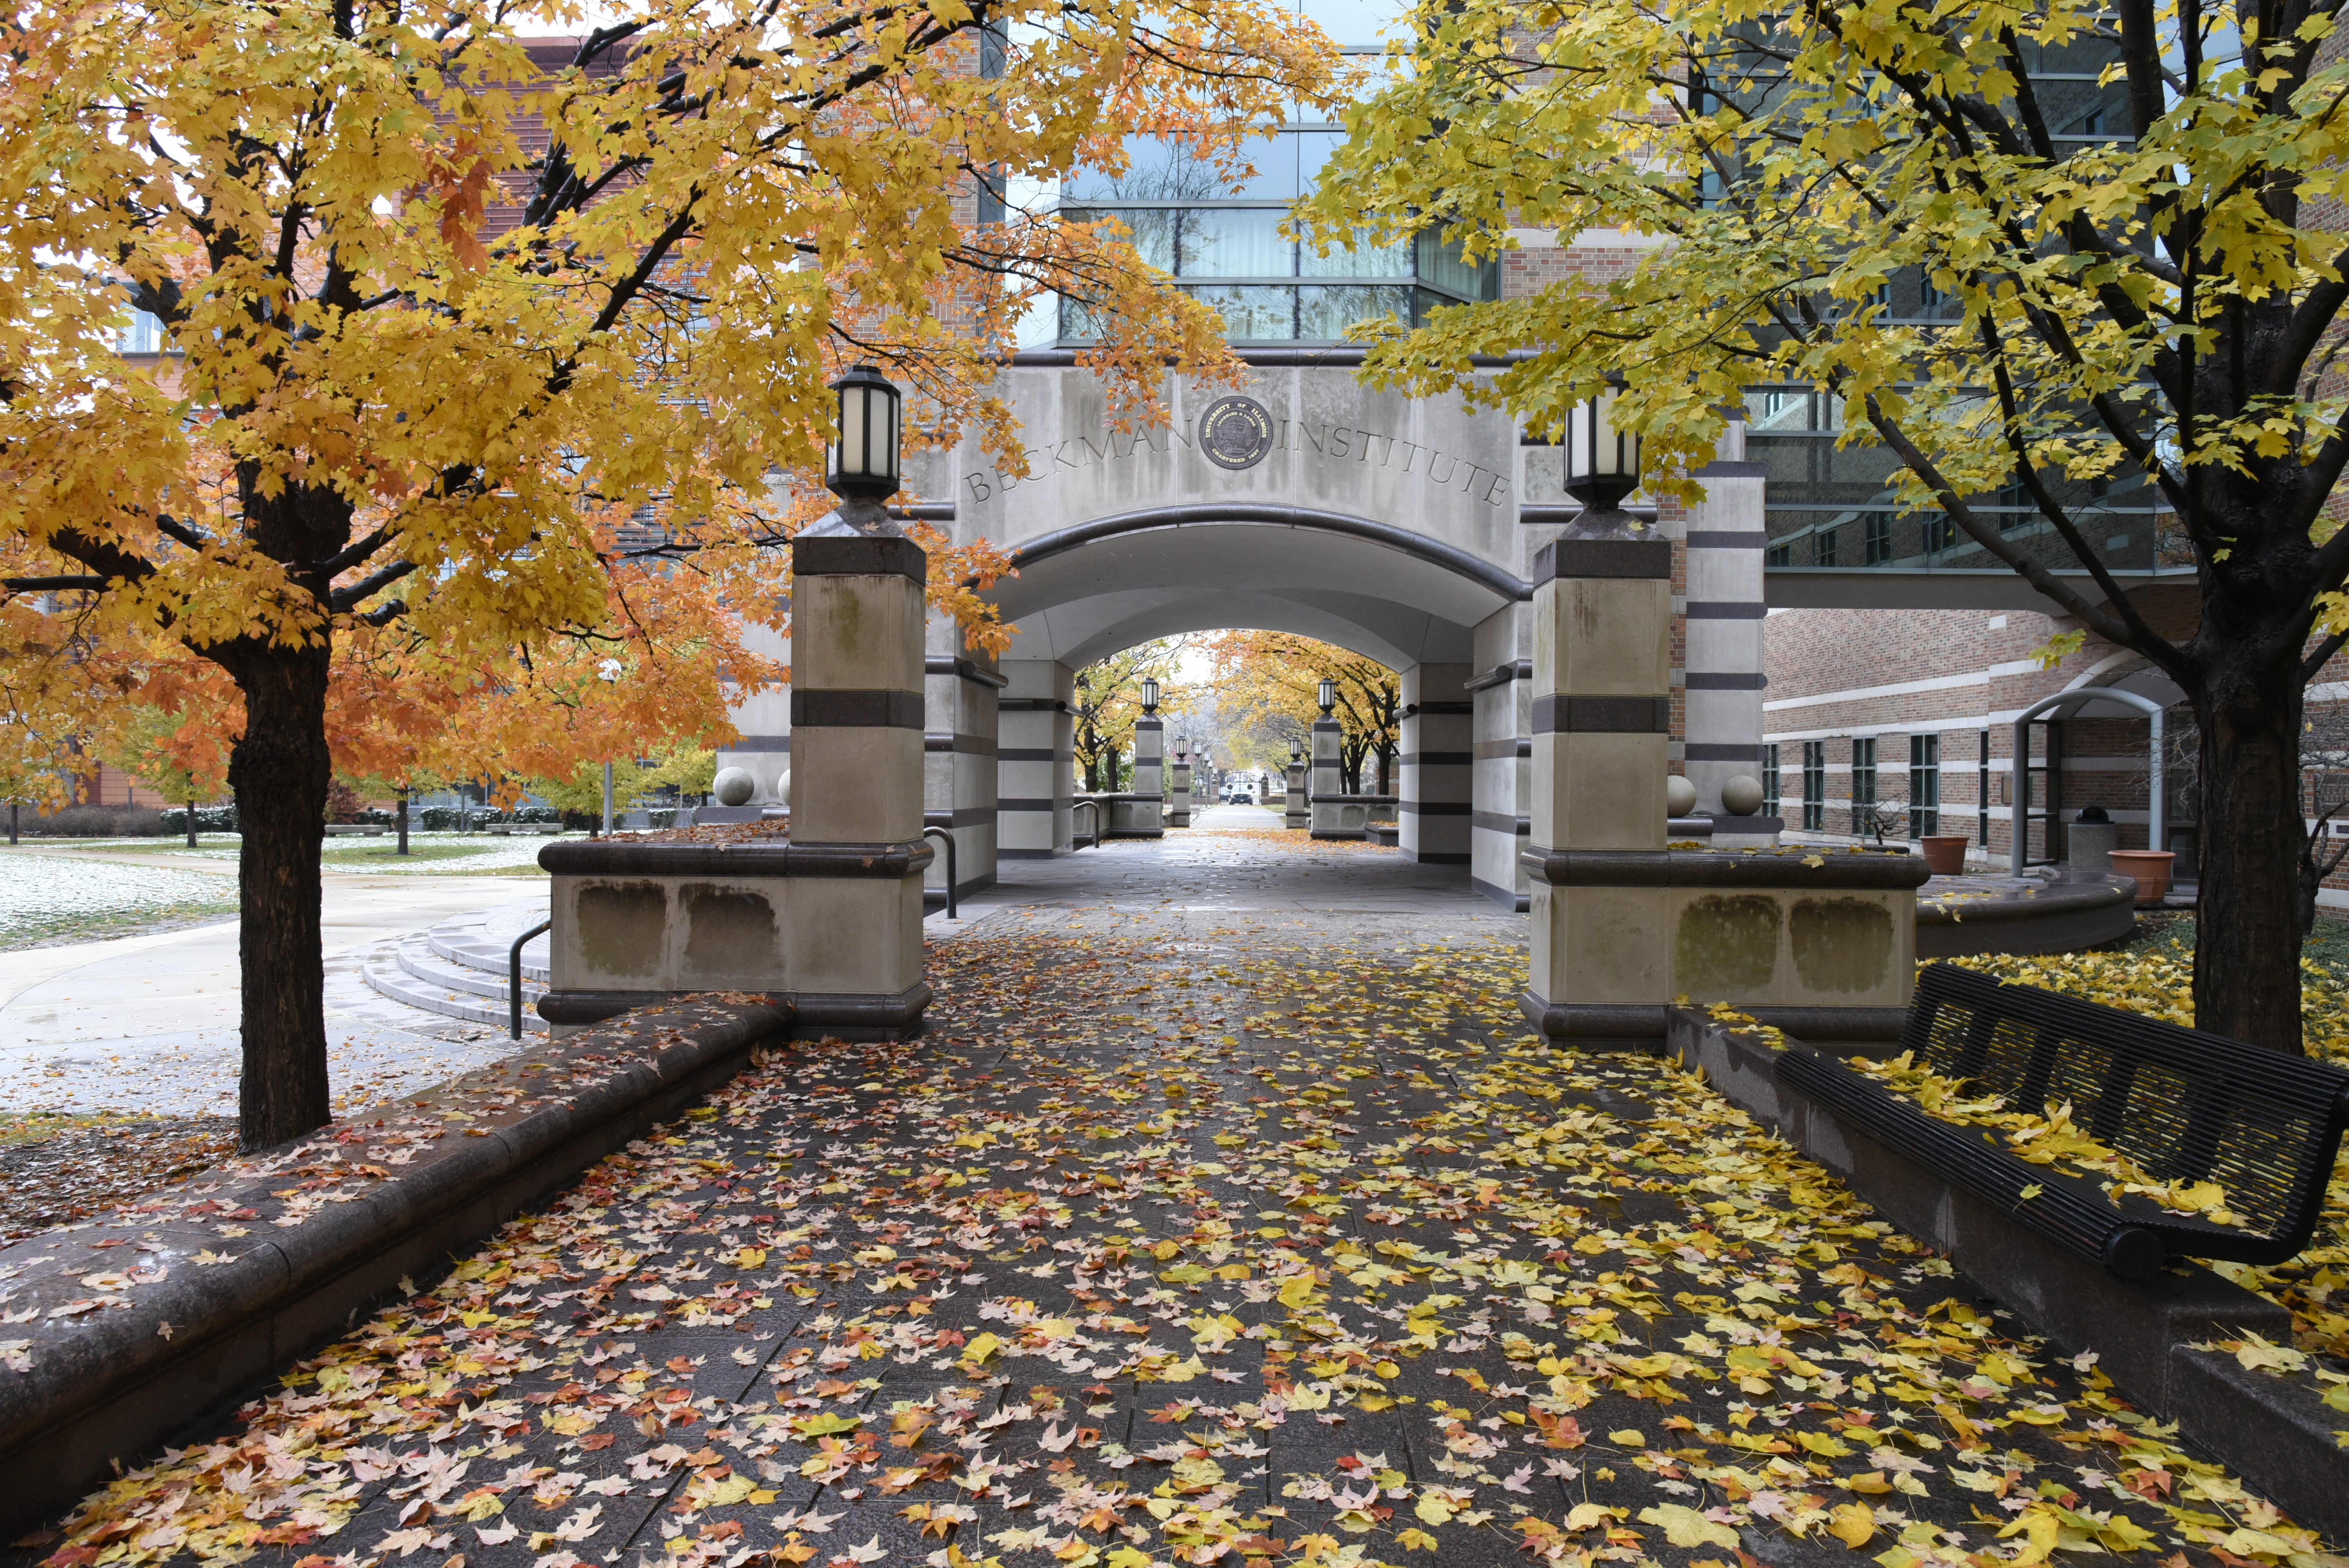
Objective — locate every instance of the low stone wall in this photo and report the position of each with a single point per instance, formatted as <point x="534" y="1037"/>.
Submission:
<point x="1352" y="815"/>
<point x="837" y="928"/>
<point x="2275" y="1432"/>
<point x="1819" y="944"/>
<point x="130" y="1331"/>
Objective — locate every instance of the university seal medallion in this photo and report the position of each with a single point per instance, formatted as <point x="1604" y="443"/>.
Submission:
<point x="1235" y="432"/>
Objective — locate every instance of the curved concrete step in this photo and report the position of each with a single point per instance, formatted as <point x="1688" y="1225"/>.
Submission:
<point x="475" y="944"/>
<point x="426" y="964"/>
<point x="415" y="974"/>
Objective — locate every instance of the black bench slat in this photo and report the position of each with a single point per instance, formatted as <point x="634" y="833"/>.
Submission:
<point x="2181" y="1103"/>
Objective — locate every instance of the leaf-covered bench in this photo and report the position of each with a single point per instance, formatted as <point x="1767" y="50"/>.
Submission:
<point x="2146" y="1099"/>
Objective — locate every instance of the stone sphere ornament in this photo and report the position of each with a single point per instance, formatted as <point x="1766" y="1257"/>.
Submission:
<point x="1680" y="796"/>
<point x="783" y="787"/>
<point x="734" y="786"/>
<point x="1741" y="796"/>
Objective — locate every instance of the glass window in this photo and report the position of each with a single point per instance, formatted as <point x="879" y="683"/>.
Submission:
<point x="1254" y="314"/>
<point x="1313" y="150"/>
<point x="1924" y="785"/>
<point x="143" y="335"/>
<point x="1152" y="229"/>
<point x="1440" y="262"/>
<point x="1770" y="781"/>
<point x="1156" y="170"/>
<point x="1814" y="785"/>
<point x="1324" y="314"/>
<point x="1234" y="242"/>
<point x="1863" y="773"/>
<point x="1353" y="21"/>
<point x="1823" y="547"/>
<point x="1879" y="532"/>
<point x="1362" y="260"/>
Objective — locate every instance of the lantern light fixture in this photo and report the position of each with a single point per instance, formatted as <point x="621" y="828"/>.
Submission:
<point x="1327" y="695"/>
<point x="860" y="463"/>
<point x="1150" y="697"/>
<point x="1602" y="460"/>
<point x="1297" y="751"/>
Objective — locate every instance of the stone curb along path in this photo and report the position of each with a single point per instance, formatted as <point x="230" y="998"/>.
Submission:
<point x="117" y="1335"/>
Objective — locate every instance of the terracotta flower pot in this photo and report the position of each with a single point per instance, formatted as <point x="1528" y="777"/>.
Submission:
<point x="1945" y="853"/>
<point x="2151" y="868"/>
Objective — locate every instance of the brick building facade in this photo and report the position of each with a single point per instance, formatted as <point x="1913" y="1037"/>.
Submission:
<point x="1915" y="710"/>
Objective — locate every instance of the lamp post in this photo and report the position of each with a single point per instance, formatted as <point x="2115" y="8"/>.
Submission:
<point x="1327" y="695"/>
<point x="1150" y="697"/>
<point x="1602" y="467"/>
<point x="860" y="463"/>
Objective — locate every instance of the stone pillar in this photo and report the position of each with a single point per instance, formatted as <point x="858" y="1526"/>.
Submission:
<point x="959" y="789"/>
<point x="857" y="715"/>
<point x="1146" y="818"/>
<point x="1327" y="782"/>
<point x="1725" y="610"/>
<point x="1178" y="807"/>
<point x="1499" y="825"/>
<point x="1437" y="764"/>
<point x="1299" y="810"/>
<point x="763" y="715"/>
<point x="1035" y="778"/>
<point x="1602" y="624"/>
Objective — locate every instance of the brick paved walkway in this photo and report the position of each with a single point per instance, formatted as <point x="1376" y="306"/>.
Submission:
<point x="1227" y="1214"/>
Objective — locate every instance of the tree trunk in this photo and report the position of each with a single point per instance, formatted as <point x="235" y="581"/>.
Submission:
<point x="279" y="772"/>
<point x="2247" y="951"/>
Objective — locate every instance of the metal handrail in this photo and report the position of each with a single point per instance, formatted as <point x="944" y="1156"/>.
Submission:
<point x="1093" y="806"/>
<point x="514" y="975"/>
<point x="948" y="838"/>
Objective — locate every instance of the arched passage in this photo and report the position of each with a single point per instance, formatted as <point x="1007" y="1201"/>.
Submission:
<point x="1409" y="601"/>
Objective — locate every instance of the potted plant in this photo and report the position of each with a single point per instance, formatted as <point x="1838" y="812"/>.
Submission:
<point x="2149" y="867"/>
<point x="1945" y="853"/>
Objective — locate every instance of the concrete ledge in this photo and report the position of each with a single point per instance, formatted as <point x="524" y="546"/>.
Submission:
<point x="2064" y="915"/>
<point x="2276" y="1429"/>
<point x="133" y="1342"/>
<point x="2274" y="1433"/>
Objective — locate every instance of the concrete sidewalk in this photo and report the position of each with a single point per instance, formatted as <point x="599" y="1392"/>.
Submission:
<point x="148" y="1024"/>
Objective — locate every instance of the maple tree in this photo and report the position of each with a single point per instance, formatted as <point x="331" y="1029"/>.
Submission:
<point x="2034" y="252"/>
<point x="1273" y="679"/>
<point x="389" y="424"/>
<point x="1109" y="705"/>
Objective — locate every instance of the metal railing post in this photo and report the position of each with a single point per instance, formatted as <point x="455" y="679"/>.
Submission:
<point x="948" y="838"/>
<point x="514" y="975"/>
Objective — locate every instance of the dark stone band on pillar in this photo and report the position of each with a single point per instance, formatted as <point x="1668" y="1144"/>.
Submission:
<point x="1870" y="868"/>
<point x="858" y="710"/>
<point x="1720" y="751"/>
<point x="1727" y="610"/>
<point x="1565" y="559"/>
<point x="965" y="745"/>
<point x="1563" y="714"/>
<point x="609" y="857"/>
<point x="1603" y="1025"/>
<point x="1727" y="538"/>
<point x="1728" y="680"/>
<point x="843" y="556"/>
<point x="1030" y="705"/>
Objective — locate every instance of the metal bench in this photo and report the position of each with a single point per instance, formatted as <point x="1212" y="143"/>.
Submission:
<point x="2180" y="1104"/>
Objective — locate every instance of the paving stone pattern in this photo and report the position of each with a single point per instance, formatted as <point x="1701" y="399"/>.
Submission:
<point x="1215" y="1231"/>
